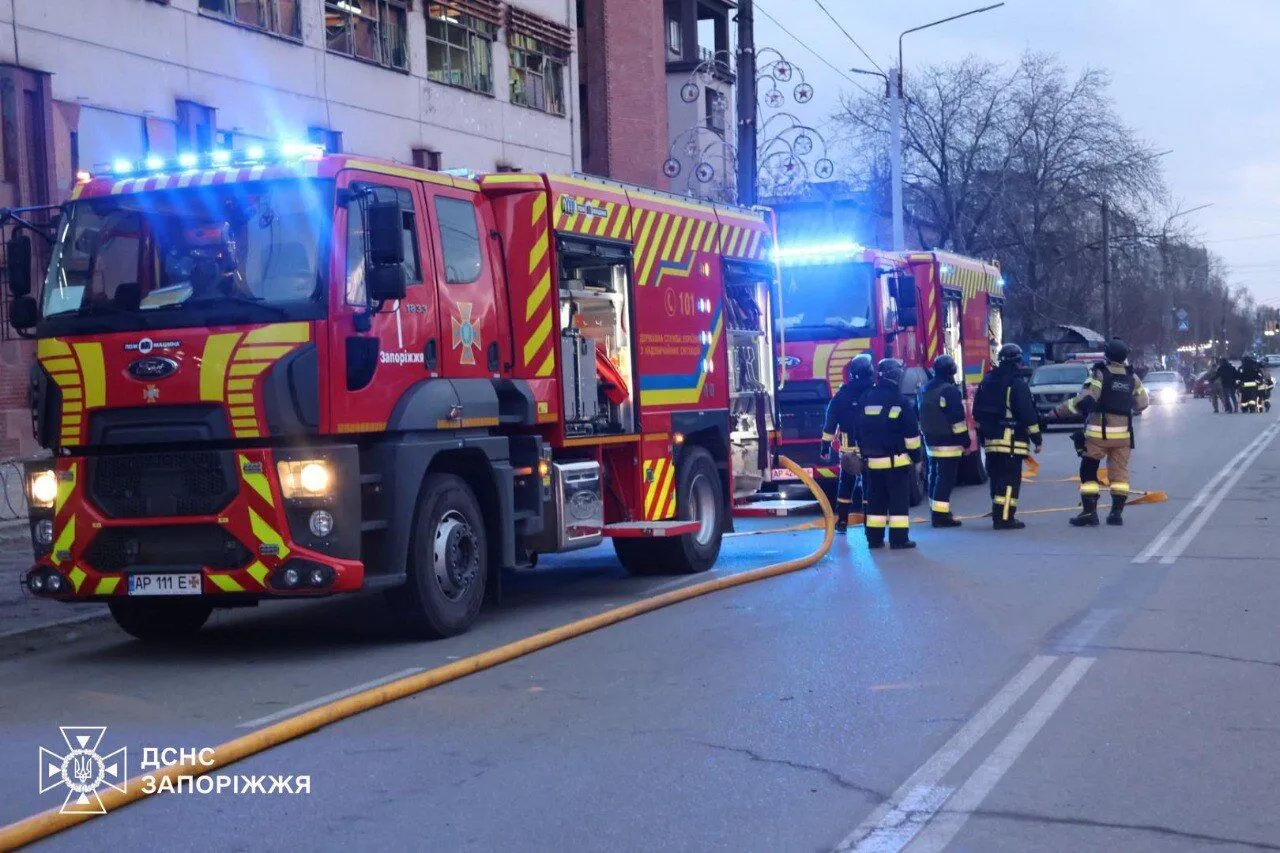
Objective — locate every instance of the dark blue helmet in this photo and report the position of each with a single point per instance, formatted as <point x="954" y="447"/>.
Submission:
<point x="1010" y="352"/>
<point x="945" y="366"/>
<point x="889" y="372"/>
<point x="859" y="369"/>
<point x="1116" y="351"/>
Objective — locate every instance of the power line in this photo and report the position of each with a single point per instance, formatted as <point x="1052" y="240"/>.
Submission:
<point x="847" y="35"/>
<point x="817" y="55"/>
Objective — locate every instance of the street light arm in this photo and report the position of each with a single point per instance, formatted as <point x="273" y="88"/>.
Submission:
<point x="906" y="33"/>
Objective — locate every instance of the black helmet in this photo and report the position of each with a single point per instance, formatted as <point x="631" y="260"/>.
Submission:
<point x="860" y="368"/>
<point x="1116" y="351"/>
<point x="1010" y="353"/>
<point x="889" y="371"/>
<point x="945" y="365"/>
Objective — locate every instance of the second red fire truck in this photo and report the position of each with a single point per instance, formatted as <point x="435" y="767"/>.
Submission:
<point x="839" y="300"/>
<point x="287" y="374"/>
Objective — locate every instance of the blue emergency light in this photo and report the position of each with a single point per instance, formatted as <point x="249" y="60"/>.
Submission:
<point x="153" y="164"/>
<point x="818" y="253"/>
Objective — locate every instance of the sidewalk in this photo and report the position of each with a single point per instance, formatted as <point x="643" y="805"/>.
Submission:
<point x="19" y="609"/>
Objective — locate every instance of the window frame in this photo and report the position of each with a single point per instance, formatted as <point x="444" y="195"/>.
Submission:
<point x="409" y="226"/>
<point x="521" y="46"/>
<point x="473" y="30"/>
<point x="438" y="223"/>
<point x="272" y="11"/>
<point x="385" y="48"/>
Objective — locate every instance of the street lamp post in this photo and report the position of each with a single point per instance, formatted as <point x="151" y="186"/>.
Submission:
<point x="898" y="99"/>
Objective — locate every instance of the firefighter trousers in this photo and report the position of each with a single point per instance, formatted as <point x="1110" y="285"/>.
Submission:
<point x="944" y="464"/>
<point x="888" y="504"/>
<point x="1249" y="397"/>
<point x="848" y="494"/>
<point x="1004" y="474"/>
<point x="1116" y="452"/>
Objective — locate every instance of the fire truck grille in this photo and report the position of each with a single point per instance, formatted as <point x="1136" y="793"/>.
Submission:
<point x="151" y="485"/>
<point x="179" y="546"/>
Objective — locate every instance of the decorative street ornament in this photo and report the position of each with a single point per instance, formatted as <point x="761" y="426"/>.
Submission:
<point x="790" y="153"/>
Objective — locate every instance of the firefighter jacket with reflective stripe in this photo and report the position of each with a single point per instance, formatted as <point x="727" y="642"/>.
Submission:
<point x="942" y="414"/>
<point x="1102" y="398"/>
<point x="1006" y="412"/>
<point x="842" y="414"/>
<point x="887" y="431"/>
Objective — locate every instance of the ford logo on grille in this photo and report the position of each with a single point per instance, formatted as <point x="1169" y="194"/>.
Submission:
<point x="153" y="367"/>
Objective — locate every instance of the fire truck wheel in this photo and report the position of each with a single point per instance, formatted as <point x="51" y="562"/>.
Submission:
<point x="699" y="497"/>
<point x="160" y="620"/>
<point x="448" y="562"/>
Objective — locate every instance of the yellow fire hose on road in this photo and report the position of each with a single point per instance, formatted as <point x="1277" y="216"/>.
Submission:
<point x="47" y="823"/>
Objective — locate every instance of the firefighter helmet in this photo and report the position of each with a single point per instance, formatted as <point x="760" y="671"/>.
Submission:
<point x="1010" y="353"/>
<point x="859" y="368"/>
<point x="945" y="365"/>
<point x="1116" y="351"/>
<point x="889" y="371"/>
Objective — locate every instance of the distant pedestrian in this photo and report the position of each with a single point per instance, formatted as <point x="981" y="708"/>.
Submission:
<point x="1230" y="378"/>
<point x="1214" y="383"/>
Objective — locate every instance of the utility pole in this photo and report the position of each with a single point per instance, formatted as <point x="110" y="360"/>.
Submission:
<point x="895" y="157"/>
<point x="747" y="128"/>
<point x="1106" y="268"/>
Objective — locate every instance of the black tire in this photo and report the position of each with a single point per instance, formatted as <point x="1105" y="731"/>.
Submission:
<point x="160" y="620"/>
<point x="971" y="472"/>
<point x="698" y="491"/>
<point x="448" y="562"/>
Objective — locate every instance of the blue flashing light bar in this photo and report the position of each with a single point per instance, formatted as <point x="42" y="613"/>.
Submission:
<point x="818" y="253"/>
<point x="287" y="152"/>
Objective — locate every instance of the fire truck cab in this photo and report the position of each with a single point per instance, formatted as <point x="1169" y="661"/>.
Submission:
<point x="290" y="374"/>
<point x="840" y="300"/>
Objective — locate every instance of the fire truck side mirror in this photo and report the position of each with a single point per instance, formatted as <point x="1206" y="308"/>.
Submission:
<point x="23" y="313"/>
<point x="386" y="283"/>
<point x="385" y="222"/>
<point x="906" y="297"/>
<point x="18" y="264"/>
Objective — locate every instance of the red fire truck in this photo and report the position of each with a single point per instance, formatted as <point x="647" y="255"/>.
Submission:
<point x="840" y="300"/>
<point x="285" y="376"/>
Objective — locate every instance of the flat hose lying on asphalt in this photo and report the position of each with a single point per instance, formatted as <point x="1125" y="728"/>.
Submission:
<point x="47" y="823"/>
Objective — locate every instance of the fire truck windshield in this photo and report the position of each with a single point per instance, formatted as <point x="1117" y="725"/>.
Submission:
<point x="827" y="300"/>
<point x="237" y="252"/>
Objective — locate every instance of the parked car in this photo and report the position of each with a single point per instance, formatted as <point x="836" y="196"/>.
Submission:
<point x="1271" y="359"/>
<point x="1165" y="387"/>
<point x="1053" y="384"/>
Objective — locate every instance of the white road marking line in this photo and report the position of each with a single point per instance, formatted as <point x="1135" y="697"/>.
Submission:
<point x="332" y="697"/>
<point x="1180" y="520"/>
<point x="878" y="832"/>
<point x="1179" y="546"/>
<point x="943" y="830"/>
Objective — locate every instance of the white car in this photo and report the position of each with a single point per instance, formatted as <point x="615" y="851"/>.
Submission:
<point x="1164" y="387"/>
<point x="1271" y="359"/>
<point x="1054" y="384"/>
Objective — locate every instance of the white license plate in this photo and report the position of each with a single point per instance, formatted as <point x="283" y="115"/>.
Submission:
<point x="783" y="474"/>
<point x="184" y="583"/>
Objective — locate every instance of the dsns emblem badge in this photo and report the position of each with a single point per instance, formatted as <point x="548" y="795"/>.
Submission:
<point x="153" y="367"/>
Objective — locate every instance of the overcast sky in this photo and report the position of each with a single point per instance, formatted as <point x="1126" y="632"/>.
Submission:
<point x="1200" y="77"/>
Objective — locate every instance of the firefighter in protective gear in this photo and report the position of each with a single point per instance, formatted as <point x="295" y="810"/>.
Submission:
<point x="840" y="419"/>
<point x="889" y="439"/>
<point x="1268" y="383"/>
<point x="946" y="436"/>
<point x="1109" y="400"/>
<point x="1008" y="425"/>
<point x="1252" y="379"/>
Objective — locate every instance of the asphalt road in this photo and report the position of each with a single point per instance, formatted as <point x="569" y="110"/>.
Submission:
<point x="1056" y="689"/>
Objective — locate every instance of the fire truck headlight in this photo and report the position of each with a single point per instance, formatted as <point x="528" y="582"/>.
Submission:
<point x="44" y="532"/>
<point x="307" y="478"/>
<point x="42" y="488"/>
<point x="320" y="523"/>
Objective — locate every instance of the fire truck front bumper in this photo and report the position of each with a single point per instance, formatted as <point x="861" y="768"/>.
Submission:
<point x="229" y="524"/>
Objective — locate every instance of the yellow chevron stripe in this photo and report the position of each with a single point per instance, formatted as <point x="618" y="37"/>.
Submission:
<point x="539" y="208"/>
<point x="538" y="296"/>
<point x="651" y="486"/>
<point x="660" y="505"/>
<point x="539" y="252"/>
<point x="545" y="368"/>
<point x="226" y="583"/>
<point x="538" y="337"/>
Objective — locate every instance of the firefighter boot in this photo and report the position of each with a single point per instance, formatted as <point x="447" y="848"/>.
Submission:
<point x="1000" y="522"/>
<point x="842" y="517"/>
<point x="944" y="519"/>
<point x="1116" y="517"/>
<point x="1088" y="516"/>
